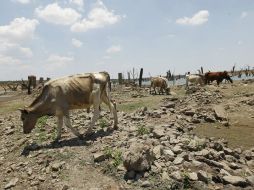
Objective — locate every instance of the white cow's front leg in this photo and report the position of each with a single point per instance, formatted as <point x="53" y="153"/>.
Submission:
<point x="59" y="127"/>
<point x="67" y="123"/>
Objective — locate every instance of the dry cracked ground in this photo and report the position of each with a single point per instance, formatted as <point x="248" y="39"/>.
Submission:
<point x="202" y="138"/>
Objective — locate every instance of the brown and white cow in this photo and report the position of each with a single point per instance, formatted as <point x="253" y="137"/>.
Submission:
<point x="63" y="94"/>
<point x="218" y="76"/>
<point x="161" y="83"/>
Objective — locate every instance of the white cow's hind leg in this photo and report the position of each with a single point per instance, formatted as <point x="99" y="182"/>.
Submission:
<point x="96" y="114"/>
<point x="112" y="109"/>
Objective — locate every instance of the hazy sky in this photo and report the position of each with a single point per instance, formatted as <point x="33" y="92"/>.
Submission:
<point x="56" y="38"/>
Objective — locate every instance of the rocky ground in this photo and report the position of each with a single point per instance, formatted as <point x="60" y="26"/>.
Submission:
<point x="155" y="147"/>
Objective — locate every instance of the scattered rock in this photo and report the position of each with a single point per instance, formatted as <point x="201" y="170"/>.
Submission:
<point x="139" y="157"/>
<point x="177" y="175"/>
<point x="57" y="166"/>
<point x="99" y="156"/>
<point x="193" y="176"/>
<point x="158" y="132"/>
<point x="178" y="160"/>
<point x="11" y="183"/>
<point x="235" y="180"/>
<point x="146" y="184"/>
<point x="202" y="176"/>
<point x="220" y="112"/>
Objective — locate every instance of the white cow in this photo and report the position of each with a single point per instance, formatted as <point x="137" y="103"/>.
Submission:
<point x="63" y="94"/>
<point x="195" y="79"/>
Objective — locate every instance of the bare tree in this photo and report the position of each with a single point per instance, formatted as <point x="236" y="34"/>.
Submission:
<point x="13" y="86"/>
<point x="4" y="87"/>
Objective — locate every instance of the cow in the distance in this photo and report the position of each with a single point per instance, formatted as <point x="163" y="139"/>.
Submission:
<point x="61" y="95"/>
<point x="161" y="83"/>
<point x="218" y="76"/>
<point x="194" y="79"/>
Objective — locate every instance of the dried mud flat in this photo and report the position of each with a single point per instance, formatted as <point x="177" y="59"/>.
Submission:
<point x="203" y="139"/>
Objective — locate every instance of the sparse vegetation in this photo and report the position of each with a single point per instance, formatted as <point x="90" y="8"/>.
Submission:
<point x="42" y="122"/>
<point x="103" y="123"/>
<point x="186" y="180"/>
<point x="115" y="155"/>
<point x="142" y="130"/>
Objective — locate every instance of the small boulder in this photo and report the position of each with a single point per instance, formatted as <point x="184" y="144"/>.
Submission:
<point x="220" y="112"/>
<point x="235" y="180"/>
<point x="139" y="158"/>
<point x="11" y="183"/>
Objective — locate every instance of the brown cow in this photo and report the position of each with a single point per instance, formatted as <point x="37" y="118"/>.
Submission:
<point x="63" y="94"/>
<point x="160" y="82"/>
<point x="218" y="76"/>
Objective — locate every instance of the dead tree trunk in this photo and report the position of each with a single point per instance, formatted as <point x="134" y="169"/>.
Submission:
<point x="120" y="78"/>
<point x="29" y="85"/>
<point x="129" y="77"/>
<point x="140" y="77"/>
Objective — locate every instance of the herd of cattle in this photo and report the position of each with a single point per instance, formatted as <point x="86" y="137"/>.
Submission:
<point x="81" y="91"/>
<point x="201" y="79"/>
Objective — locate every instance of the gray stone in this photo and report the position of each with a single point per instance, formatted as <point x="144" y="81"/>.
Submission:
<point x="250" y="180"/>
<point x="203" y="152"/>
<point x="235" y="180"/>
<point x="139" y="158"/>
<point x="11" y="183"/>
<point x="178" y="160"/>
<point x="157" y="150"/>
<point x="169" y="105"/>
<point x="193" y="176"/>
<point x="220" y="112"/>
<point x="57" y="166"/>
<point x="193" y="145"/>
<point x="146" y="184"/>
<point x="228" y="151"/>
<point x="99" y="157"/>
<point x="158" y="132"/>
<point x="224" y="172"/>
<point x="177" y="175"/>
<point x="234" y="166"/>
<point x="218" y="146"/>
<point x="189" y="112"/>
<point x="165" y="176"/>
<point x="168" y="152"/>
<point x="177" y="149"/>
<point x="202" y="176"/>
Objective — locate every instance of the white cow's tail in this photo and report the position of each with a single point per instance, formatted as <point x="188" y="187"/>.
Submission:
<point x="108" y="87"/>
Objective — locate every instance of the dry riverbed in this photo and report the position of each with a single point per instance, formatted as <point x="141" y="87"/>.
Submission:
<point x="202" y="139"/>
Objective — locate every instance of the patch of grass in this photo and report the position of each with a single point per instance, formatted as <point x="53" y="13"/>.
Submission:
<point x="186" y="181"/>
<point x="63" y="156"/>
<point x="42" y="122"/>
<point x="136" y="103"/>
<point x="115" y="155"/>
<point x="103" y="123"/>
<point x="142" y="130"/>
<point x="108" y="151"/>
<point x="117" y="158"/>
<point x="82" y="162"/>
<point x="41" y="130"/>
